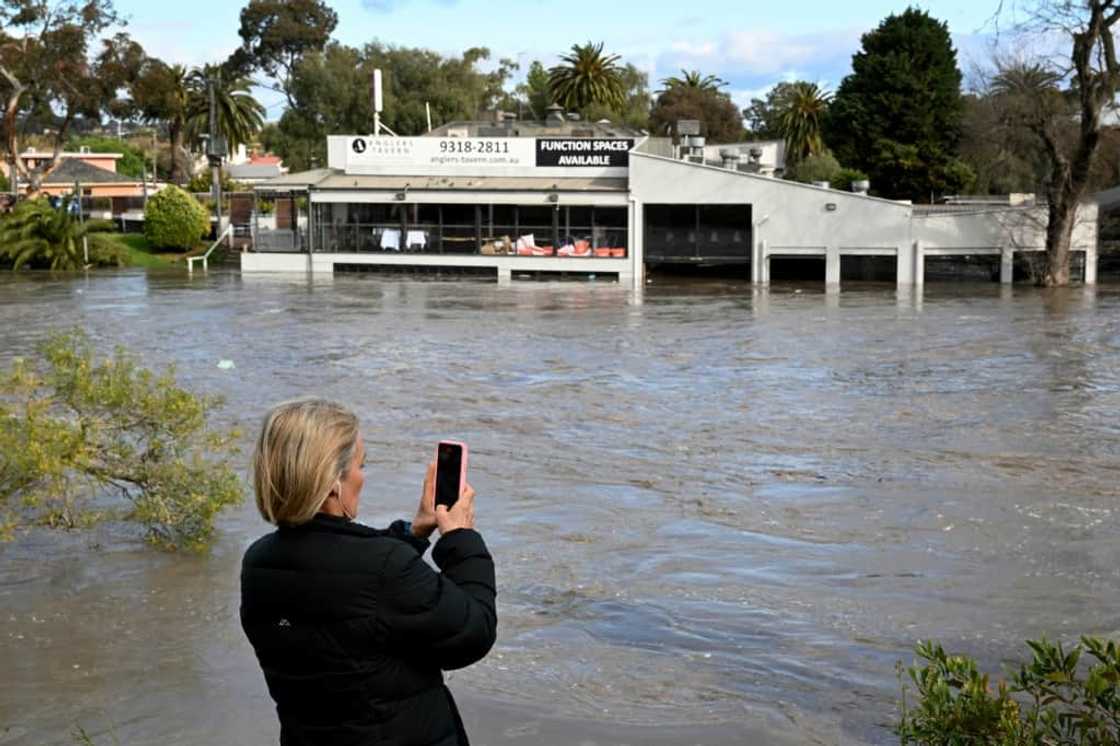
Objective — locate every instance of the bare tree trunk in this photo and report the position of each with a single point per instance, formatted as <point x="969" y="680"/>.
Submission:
<point x="1059" y="236"/>
<point x="11" y="137"/>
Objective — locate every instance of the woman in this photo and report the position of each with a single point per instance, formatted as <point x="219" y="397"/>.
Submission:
<point x="351" y="627"/>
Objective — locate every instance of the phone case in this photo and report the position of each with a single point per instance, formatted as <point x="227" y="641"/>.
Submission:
<point x="462" y="465"/>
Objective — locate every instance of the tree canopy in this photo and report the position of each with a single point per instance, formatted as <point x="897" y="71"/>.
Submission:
<point x="898" y="114"/>
<point x="722" y="120"/>
<point x="276" y="34"/>
<point x="587" y="76"/>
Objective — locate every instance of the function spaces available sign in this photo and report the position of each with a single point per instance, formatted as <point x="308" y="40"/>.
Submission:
<point x="480" y="156"/>
<point x="583" y="152"/>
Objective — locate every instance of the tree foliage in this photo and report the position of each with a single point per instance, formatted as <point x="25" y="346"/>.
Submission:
<point x="694" y="79"/>
<point x="174" y="219"/>
<point x="276" y="34"/>
<point x="722" y="119"/>
<point x="898" y="115"/>
<point x="587" y="76"/>
<point x="332" y="93"/>
<point x="1054" y="699"/>
<point x="131" y="162"/>
<point x="37" y="235"/>
<point x="1071" y="154"/>
<point x="535" y="91"/>
<point x="48" y="70"/>
<point x="238" y="116"/>
<point x="803" y="107"/>
<point x="815" y="167"/>
<point x="634" y="109"/>
<point x="764" y="115"/>
<point x="77" y="431"/>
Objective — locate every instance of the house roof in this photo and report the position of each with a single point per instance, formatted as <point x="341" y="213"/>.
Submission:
<point x="70" y="170"/>
<point x="254" y="171"/>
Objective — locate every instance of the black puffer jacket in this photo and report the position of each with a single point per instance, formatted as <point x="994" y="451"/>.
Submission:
<point x="352" y="628"/>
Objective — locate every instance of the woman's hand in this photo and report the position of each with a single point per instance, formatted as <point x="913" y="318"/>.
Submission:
<point x="461" y="514"/>
<point x="425" y="521"/>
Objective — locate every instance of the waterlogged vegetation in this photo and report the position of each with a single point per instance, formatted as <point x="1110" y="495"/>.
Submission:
<point x="86" y="438"/>
<point x="1060" y="698"/>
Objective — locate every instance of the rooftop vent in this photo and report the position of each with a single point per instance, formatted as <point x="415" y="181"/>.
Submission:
<point x="862" y="186"/>
<point x="554" y="116"/>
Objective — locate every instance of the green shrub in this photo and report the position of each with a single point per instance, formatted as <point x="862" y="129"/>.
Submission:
<point x="821" y="167"/>
<point x="844" y="178"/>
<point x="132" y="158"/>
<point x="1051" y="700"/>
<point x="173" y="219"/>
<point x="74" y="428"/>
<point x="201" y="183"/>
<point x="37" y="235"/>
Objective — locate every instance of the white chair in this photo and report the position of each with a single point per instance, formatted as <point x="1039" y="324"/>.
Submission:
<point x="391" y="239"/>
<point x="416" y="238"/>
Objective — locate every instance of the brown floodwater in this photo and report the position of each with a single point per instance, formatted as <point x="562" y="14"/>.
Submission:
<point x="719" y="515"/>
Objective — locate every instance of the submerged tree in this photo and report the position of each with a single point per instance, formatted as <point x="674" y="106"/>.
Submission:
<point x="78" y="430"/>
<point x="38" y="235"/>
<point x="1093" y="73"/>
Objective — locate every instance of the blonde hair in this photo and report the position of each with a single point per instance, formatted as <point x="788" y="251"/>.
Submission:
<point x="305" y="445"/>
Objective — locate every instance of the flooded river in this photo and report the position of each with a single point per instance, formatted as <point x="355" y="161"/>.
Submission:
<point x="718" y="516"/>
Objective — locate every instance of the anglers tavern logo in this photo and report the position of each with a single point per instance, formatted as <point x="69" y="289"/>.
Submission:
<point x="359" y="145"/>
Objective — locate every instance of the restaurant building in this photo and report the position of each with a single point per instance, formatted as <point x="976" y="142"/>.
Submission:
<point x="511" y="199"/>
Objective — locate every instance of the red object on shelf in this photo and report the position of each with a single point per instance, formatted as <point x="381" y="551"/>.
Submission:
<point x="542" y="251"/>
<point x="618" y="253"/>
<point x="602" y="252"/>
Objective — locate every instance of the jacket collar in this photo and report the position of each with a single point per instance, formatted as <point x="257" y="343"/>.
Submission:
<point x="335" y="525"/>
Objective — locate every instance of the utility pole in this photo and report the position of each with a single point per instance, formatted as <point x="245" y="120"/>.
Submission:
<point x="216" y="148"/>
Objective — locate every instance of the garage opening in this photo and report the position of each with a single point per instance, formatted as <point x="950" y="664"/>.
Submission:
<point x="697" y="234"/>
<point x="868" y="269"/>
<point x="797" y="269"/>
<point x="970" y="268"/>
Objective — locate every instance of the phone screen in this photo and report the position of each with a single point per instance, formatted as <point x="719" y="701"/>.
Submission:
<point x="449" y="469"/>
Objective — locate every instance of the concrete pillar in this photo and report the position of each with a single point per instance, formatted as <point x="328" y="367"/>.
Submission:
<point x="832" y="268"/>
<point x="756" y="262"/>
<point x="637" y="245"/>
<point x="764" y="264"/>
<point x="919" y="264"/>
<point x="904" y="266"/>
<point x="1006" y="265"/>
<point x="505" y="275"/>
<point x="1091" y="265"/>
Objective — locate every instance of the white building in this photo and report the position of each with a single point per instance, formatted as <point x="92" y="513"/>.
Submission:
<point x="607" y="203"/>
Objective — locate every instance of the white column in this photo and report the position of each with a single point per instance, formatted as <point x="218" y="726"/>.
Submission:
<point x="637" y="245"/>
<point x="904" y="266"/>
<point x="919" y="264"/>
<point x="1006" y="265"/>
<point x="1091" y="265"/>
<point x="505" y="274"/>
<point x="832" y="268"/>
<point x="764" y="264"/>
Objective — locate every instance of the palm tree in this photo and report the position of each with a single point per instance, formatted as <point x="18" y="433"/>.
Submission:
<point x="587" y="77"/>
<point x="37" y="233"/>
<point x="802" y="108"/>
<point x="239" y="115"/>
<point x="693" y="79"/>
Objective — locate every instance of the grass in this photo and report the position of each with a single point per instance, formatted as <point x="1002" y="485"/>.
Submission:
<point x="141" y="253"/>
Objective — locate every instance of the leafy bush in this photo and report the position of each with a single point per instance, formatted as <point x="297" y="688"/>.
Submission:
<point x="1051" y="700"/>
<point x="38" y="235"/>
<point x="844" y="178"/>
<point x="821" y="167"/>
<point x="73" y="428"/>
<point x="173" y="219"/>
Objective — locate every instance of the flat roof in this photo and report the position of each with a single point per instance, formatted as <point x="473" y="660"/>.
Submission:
<point x="69" y="154"/>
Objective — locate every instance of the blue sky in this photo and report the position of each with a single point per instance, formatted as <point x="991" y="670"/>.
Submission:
<point x="752" y="45"/>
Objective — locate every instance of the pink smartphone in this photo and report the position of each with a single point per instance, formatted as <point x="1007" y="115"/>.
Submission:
<point x="451" y="471"/>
